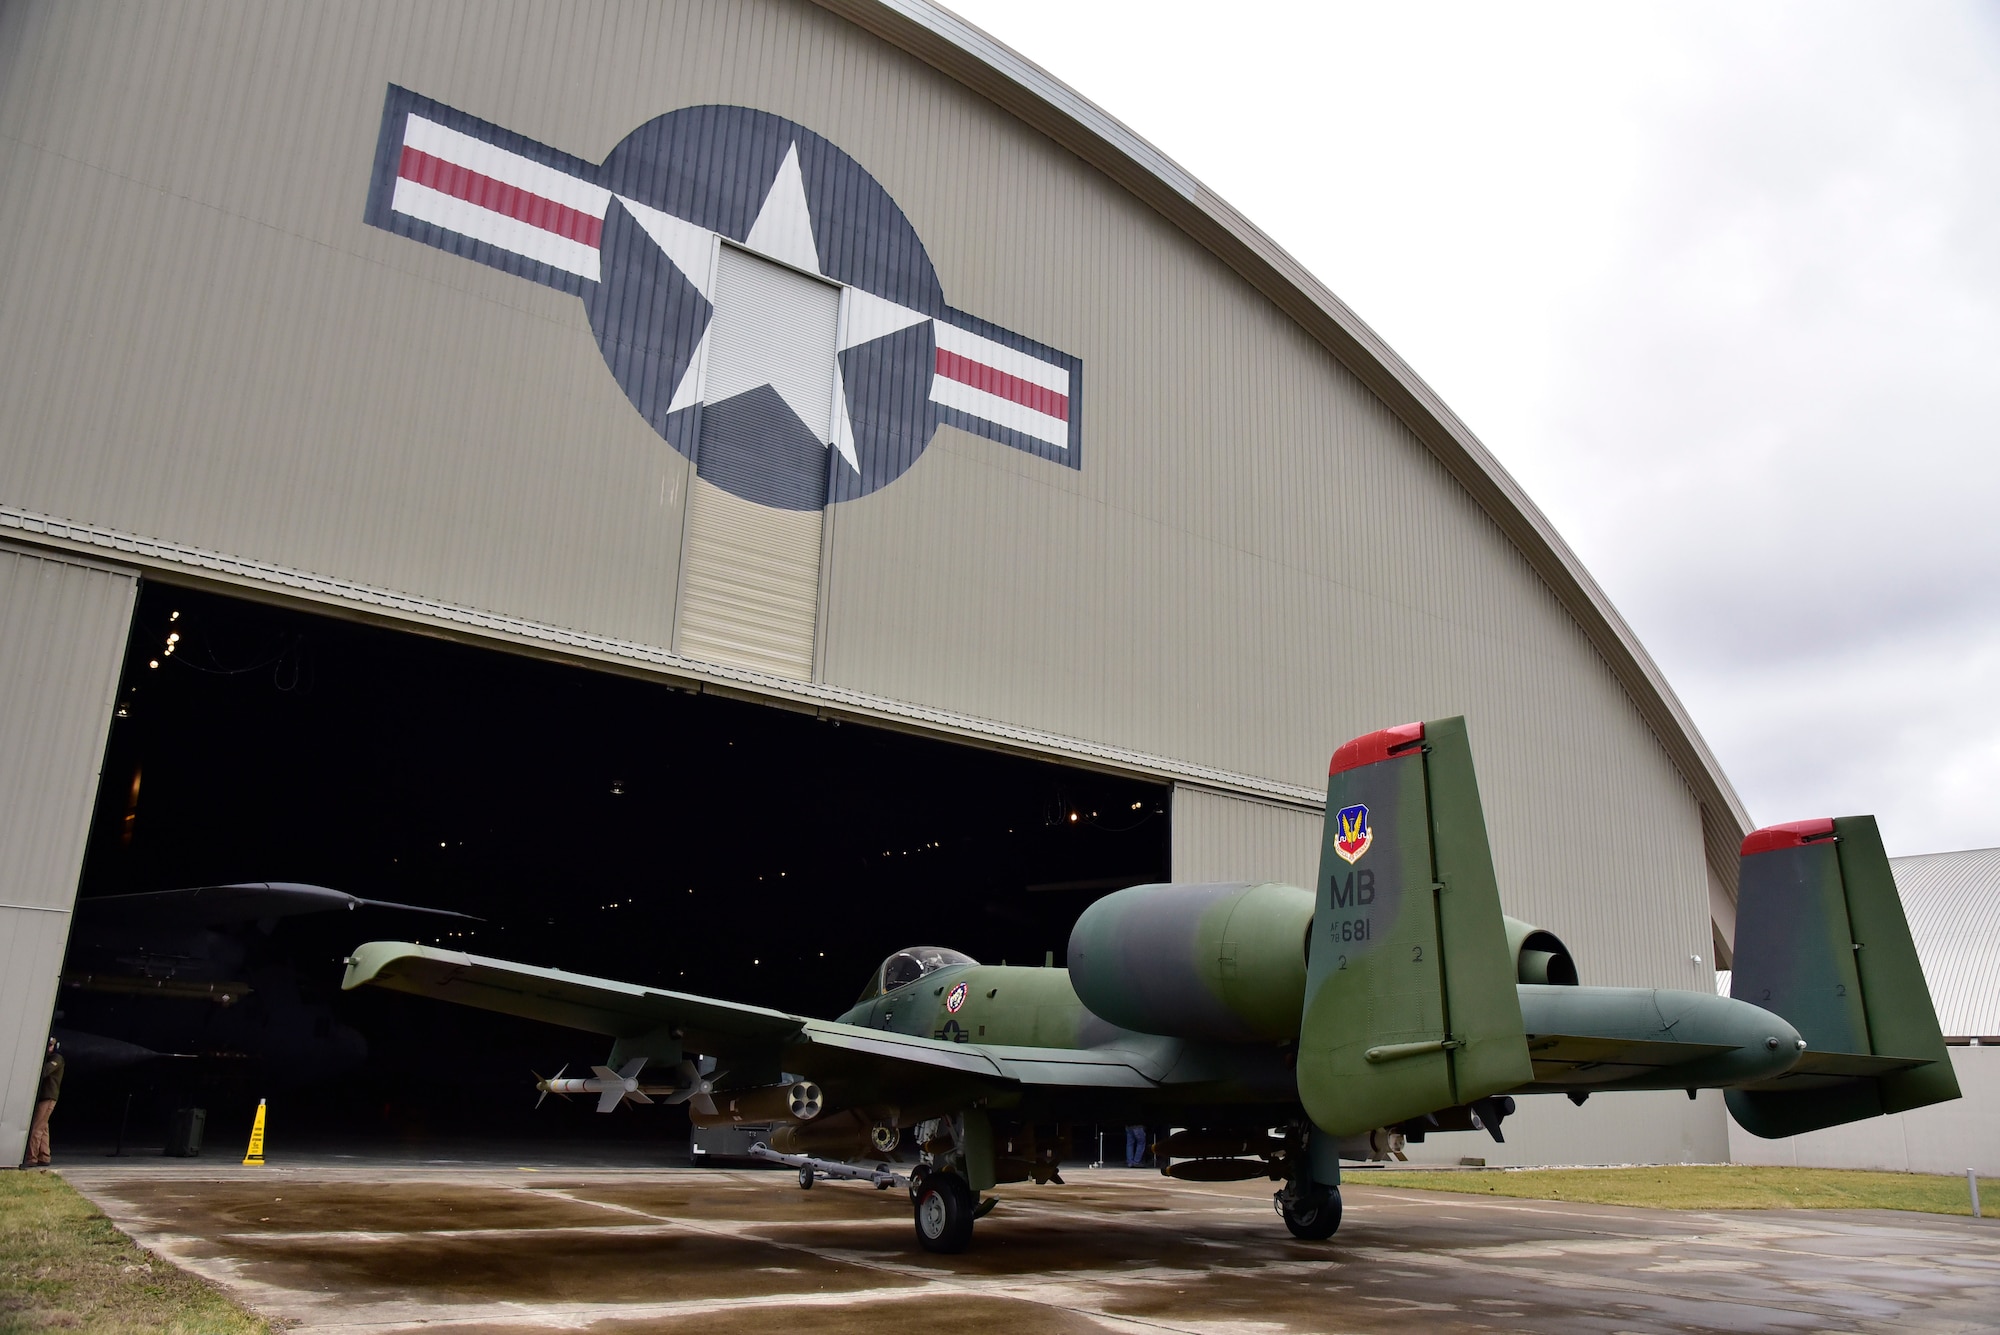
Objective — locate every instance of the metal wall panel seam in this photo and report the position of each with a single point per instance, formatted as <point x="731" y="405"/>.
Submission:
<point x="174" y="557"/>
<point x="1015" y="84"/>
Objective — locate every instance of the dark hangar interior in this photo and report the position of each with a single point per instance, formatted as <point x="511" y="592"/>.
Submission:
<point x="593" y="821"/>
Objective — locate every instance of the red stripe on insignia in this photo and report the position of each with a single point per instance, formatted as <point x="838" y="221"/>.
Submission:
<point x="1001" y="385"/>
<point x="498" y="197"/>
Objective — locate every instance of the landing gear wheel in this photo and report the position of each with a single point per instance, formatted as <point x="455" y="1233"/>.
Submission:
<point x="944" y="1213"/>
<point x="917" y="1176"/>
<point x="1314" y="1214"/>
<point x="805" y="1179"/>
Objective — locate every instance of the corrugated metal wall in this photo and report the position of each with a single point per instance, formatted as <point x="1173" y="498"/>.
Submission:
<point x="63" y="626"/>
<point x="1218" y="837"/>
<point x="1952" y="901"/>
<point x="202" y="342"/>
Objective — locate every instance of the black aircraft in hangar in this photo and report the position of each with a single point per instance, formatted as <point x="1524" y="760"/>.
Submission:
<point x="184" y="975"/>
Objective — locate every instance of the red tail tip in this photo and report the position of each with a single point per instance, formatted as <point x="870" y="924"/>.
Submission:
<point x="1375" y="746"/>
<point x="1789" y="835"/>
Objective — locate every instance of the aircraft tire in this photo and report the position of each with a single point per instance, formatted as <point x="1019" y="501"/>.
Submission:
<point x="1316" y="1217"/>
<point x="944" y="1213"/>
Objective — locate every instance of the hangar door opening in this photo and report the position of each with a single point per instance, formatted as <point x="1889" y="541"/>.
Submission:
<point x="584" y="820"/>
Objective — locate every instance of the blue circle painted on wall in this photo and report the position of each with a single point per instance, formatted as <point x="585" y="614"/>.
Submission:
<point x="763" y="302"/>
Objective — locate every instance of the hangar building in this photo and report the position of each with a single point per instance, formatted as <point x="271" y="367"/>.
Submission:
<point x="826" y="359"/>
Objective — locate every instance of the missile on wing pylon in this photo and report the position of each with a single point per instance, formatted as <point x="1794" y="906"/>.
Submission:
<point x="611" y="1087"/>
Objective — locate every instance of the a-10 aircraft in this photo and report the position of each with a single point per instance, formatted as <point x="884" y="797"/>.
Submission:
<point x="1285" y="1029"/>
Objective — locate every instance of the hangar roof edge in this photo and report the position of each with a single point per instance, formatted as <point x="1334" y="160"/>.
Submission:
<point x="988" y="67"/>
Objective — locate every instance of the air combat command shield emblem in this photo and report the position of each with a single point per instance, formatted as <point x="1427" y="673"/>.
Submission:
<point x="1352" y="832"/>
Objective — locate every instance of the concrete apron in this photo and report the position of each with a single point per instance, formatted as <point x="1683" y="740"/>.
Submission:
<point x="481" y="1251"/>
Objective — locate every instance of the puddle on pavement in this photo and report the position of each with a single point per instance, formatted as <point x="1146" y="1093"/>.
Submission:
<point x="560" y="1267"/>
<point x="287" y="1205"/>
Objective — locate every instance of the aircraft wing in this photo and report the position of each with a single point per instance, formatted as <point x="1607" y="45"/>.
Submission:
<point x="212" y="905"/>
<point x="874" y="1062"/>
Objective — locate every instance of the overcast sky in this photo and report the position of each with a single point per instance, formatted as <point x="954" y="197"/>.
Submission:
<point x="1719" y="283"/>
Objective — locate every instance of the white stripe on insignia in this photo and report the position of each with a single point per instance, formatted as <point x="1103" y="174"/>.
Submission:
<point x="497" y="229"/>
<point x="1000" y="357"/>
<point x="1001" y="412"/>
<point x="869" y="317"/>
<point x="489" y="160"/>
<point x="691" y="248"/>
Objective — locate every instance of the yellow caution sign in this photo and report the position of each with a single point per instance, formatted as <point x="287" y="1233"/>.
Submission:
<point x="255" y="1154"/>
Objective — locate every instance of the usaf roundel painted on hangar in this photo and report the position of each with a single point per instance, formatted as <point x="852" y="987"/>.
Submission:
<point x="673" y="243"/>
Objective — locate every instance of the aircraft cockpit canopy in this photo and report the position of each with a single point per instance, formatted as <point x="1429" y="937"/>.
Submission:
<point x="907" y="966"/>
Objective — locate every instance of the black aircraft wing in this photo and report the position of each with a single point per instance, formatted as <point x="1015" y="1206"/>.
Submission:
<point x="214" y="905"/>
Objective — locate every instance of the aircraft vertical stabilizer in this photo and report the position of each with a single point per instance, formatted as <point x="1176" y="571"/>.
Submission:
<point x="1821" y="939"/>
<point x="1410" y="986"/>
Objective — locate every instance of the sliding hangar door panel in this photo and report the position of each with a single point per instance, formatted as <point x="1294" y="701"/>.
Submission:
<point x="63" y="626"/>
<point x="751" y="572"/>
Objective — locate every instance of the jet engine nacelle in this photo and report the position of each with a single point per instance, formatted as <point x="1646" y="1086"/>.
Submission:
<point x="1539" y="956"/>
<point x="1221" y="962"/>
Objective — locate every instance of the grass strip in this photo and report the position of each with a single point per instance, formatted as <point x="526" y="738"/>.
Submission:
<point x="1710" y="1187"/>
<point x="63" y="1266"/>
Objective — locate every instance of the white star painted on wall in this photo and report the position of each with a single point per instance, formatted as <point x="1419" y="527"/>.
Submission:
<point x="782" y="232"/>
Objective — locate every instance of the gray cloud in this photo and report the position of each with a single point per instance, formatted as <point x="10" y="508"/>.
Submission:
<point x="1718" y="282"/>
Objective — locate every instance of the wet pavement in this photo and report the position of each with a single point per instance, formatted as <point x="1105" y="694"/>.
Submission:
<point x="507" y="1251"/>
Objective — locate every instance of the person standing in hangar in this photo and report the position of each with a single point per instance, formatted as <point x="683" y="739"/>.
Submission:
<point x="45" y="1107"/>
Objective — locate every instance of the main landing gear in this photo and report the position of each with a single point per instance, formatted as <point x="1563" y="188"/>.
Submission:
<point x="1310" y="1210"/>
<point x="946" y="1208"/>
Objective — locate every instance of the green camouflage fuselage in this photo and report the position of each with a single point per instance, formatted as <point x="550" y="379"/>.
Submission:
<point x="1016" y="1009"/>
<point x="1012" y="1007"/>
